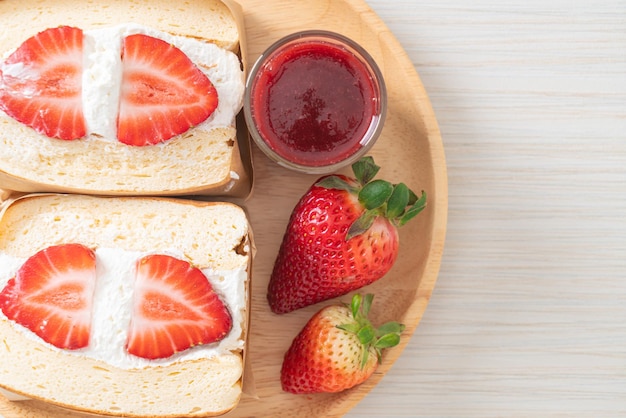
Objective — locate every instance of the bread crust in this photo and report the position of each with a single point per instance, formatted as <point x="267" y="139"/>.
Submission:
<point x="211" y="163"/>
<point x="91" y="386"/>
<point x="187" y="388"/>
<point x="211" y="20"/>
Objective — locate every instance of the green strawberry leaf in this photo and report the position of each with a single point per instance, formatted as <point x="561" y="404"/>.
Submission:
<point x="387" y="341"/>
<point x="412" y="198"/>
<point x="365" y="356"/>
<point x="414" y="210"/>
<point x="366" y="334"/>
<point x="389" y="327"/>
<point x="367" y="304"/>
<point x="365" y="170"/>
<point x="387" y="335"/>
<point x="335" y="182"/>
<point x="362" y="224"/>
<point x="355" y="305"/>
<point x="352" y="327"/>
<point x="375" y="193"/>
<point x="398" y="201"/>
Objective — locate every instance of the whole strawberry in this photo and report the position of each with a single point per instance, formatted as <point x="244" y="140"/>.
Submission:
<point x="337" y="349"/>
<point x="342" y="235"/>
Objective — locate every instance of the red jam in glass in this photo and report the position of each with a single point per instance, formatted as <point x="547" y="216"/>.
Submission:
<point x="314" y="103"/>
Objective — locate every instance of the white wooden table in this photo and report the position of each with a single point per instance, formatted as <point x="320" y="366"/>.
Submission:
<point x="528" y="318"/>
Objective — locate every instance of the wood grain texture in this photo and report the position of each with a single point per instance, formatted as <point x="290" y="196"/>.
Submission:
<point x="409" y="150"/>
<point x="528" y="318"/>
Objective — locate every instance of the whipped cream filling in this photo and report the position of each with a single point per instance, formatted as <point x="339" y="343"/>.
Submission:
<point x="112" y="307"/>
<point x="102" y="76"/>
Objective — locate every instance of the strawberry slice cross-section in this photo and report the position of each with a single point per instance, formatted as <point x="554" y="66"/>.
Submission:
<point x="41" y="82"/>
<point x="174" y="308"/>
<point x="163" y="93"/>
<point x="52" y="295"/>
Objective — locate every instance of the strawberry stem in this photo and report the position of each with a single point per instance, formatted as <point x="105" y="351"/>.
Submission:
<point x="395" y="202"/>
<point x="385" y="336"/>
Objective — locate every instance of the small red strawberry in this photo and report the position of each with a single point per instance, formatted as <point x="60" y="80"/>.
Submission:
<point x="341" y="236"/>
<point x="41" y="82"/>
<point x="174" y="308"/>
<point x="337" y="349"/>
<point x="163" y="92"/>
<point x="52" y="295"/>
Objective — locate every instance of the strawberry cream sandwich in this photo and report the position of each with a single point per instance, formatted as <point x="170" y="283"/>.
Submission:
<point x="121" y="98"/>
<point x="124" y="306"/>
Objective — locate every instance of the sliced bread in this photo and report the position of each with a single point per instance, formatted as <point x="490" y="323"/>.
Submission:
<point x="199" y="381"/>
<point x="211" y="158"/>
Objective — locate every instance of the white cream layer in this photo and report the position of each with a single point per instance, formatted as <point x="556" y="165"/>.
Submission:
<point x="113" y="305"/>
<point x="102" y="75"/>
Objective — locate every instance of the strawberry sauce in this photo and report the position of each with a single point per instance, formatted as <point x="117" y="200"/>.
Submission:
<point x="314" y="102"/>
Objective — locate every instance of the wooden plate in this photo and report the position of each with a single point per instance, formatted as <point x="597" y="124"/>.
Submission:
<point x="409" y="150"/>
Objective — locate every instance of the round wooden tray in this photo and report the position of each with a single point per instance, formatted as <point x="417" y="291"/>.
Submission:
<point x="409" y="150"/>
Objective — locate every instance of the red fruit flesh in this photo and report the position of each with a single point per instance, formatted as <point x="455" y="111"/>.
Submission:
<point x="52" y="295"/>
<point x="41" y="82"/>
<point x="163" y="92"/>
<point x="315" y="261"/>
<point x="174" y="308"/>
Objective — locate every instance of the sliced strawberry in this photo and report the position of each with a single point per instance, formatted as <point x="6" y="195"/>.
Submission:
<point x="52" y="295"/>
<point x="40" y="83"/>
<point x="174" y="308"/>
<point x="163" y="92"/>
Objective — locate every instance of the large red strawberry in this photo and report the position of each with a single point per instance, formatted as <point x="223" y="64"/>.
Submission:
<point x="41" y="82"/>
<point x="341" y="236"/>
<point x="52" y="295"/>
<point x="163" y="92"/>
<point x="174" y="308"/>
<point x="337" y="349"/>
